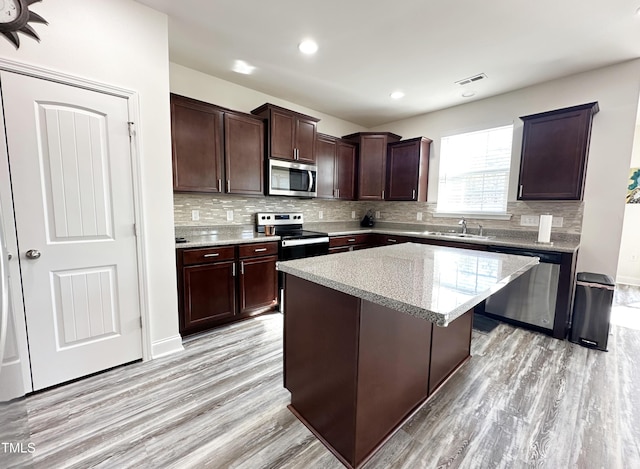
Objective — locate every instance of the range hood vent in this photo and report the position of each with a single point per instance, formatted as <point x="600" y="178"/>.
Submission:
<point x="466" y="81"/>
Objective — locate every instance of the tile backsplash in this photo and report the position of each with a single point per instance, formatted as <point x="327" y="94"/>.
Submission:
<point x="213" y="211"/>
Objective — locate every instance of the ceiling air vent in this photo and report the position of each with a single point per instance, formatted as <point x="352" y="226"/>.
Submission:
<point x="466" y="81"/>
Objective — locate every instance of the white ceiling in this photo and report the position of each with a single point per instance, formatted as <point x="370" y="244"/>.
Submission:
<point x="370" y="48"/>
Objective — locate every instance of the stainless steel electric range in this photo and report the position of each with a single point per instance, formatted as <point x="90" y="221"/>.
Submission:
<point x="295" y="242"/>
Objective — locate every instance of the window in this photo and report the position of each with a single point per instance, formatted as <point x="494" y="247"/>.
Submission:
<point x="474" y="171"/>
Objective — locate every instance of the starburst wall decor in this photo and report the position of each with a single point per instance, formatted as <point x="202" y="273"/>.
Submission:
<point x="15" y="17"/>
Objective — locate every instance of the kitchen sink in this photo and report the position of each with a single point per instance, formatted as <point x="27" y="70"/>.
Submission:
<point x="456" y="235"/>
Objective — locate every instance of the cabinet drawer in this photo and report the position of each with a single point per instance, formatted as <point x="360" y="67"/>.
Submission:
<point x="257" y="249"/>
<point x="348" y="240"/>
<point x="207" y="255"/>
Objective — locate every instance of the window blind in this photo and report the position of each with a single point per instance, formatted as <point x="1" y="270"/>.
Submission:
<point x="474" y="171"/>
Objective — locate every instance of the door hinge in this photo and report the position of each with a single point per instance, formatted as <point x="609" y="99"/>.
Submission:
<point x="132" y="129"/>
<point x="140" y="322"/>
<point x="135" y="230"/>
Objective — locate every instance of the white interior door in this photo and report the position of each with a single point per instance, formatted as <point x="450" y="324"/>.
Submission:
<point x="71" y="178"/>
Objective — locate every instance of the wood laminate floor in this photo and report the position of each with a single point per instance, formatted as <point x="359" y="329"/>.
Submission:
<point x="523" y="400"/>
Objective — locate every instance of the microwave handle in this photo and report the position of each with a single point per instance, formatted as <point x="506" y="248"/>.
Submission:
<point x="310" y="180"/>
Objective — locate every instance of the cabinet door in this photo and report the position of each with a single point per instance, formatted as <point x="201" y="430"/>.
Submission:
<point x="403" y="165"/>
<point x="554" y="154"/>
<point x="196" y="138"/>
<point x="305" y="140"/>
<point x="258" y="284"/>
<point x="371" y="174"/>
<point x="326" y="159"/>
<point x="244" y="154"/>
<point x="209" y="295"/>
<point x="282" y="137"/>
<point x="345" y="173"/>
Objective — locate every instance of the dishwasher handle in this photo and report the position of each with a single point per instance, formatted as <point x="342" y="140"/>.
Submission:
<point x="545" y="256"/>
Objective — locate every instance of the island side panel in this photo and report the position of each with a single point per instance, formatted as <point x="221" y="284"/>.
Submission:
<point x="320" y="348"/>
<point x="393" y="372"/>
<point x="450" y="348"/>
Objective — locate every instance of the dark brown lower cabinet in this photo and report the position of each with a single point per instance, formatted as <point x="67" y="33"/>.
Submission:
<point x="258" y="284"/>
<point x="209" y="294"/>
<point x="224" y="284"/>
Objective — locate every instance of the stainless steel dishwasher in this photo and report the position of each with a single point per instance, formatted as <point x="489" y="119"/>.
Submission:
<point x="531" y="298"/>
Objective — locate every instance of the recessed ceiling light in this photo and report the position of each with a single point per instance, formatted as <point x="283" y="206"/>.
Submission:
<point x="308" y="47"/>
<point x="468" y="94"/>
<point x="240" y="66"/>
<point x="397" y="95"/>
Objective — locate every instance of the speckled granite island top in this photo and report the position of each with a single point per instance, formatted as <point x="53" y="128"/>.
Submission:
<point x="430" y="282"/>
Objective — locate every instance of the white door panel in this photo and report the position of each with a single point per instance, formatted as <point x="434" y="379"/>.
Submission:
<point x="71" y="176"/>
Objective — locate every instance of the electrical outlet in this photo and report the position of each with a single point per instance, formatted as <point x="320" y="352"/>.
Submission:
<point x="377" y="214"/>
<point x="353" y="213"/>
<point x="419" y="216"/>
<point x="195" y="215"/>
<point x="229" y="215"/>
<point x="320" y="215"/>
<point x="529" y="220"/>
<point x="556" y="222"/>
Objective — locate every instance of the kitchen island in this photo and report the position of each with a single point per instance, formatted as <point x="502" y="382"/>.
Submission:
<point x="371" y="335"/>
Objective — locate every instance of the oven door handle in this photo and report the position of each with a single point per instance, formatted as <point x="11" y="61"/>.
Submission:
<point x="286" y="243"/>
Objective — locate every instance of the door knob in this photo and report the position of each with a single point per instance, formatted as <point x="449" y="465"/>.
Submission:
<point x="9" y="256"/>
<point x="33" y="254"/>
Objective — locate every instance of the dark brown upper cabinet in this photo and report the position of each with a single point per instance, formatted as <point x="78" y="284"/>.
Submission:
<point x="372" y="162"/>
<point x="244" y="154"/>
<point x="196" y="141"/>
<point x="336" y="160"/>
<point x="291" y="135"/>
<point x="215" y="149"/>
<point x="555" y="147"/>
<point x="408" y="169"/>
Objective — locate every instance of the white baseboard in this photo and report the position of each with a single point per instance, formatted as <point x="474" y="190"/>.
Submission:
<point x="628" y="280"/>
<point x="166" y="346"/>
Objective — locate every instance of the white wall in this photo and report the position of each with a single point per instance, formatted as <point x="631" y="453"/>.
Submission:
<point x="616" y="88"/>
<point x="123" y="43"/>
<point x="629" y="261"/>
<point x="197" y="85"/>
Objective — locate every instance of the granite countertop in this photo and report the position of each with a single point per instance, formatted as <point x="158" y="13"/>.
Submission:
<point x="507" y="238"/>
<point x="198" y="236"/>
<point x="434" y="283"/>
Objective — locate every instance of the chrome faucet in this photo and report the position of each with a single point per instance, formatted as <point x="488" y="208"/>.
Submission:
<point x="463" y="222"/>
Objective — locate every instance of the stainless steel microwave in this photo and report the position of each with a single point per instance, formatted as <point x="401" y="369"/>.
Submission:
<point x="296" y="179"/>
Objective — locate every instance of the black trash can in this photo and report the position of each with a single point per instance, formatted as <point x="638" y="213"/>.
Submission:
<point x="592" y="310"/>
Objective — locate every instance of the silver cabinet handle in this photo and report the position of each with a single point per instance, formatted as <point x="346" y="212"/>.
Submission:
<point x="241" y="267"/>
<point x="260" y="250"/>
<point x="234" y="269"/>
<point x="228" y="185"/>
<point x="351" y="240"/>
<point x="520" y="193"/>
<point x="219" y="185"/>
<point x="413" y="194"/>
<point x="212" y="255"/>
<point x="392" y="240"/>
<point x="33" y="254"/>
<point x="383" y="194"/>
<point x="338" y="193"/>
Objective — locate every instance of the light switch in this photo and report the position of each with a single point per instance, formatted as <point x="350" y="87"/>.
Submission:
<point x="229" y="215"/>
<point x="320" y="215"/>
<point x="419" y="216"/>
<point x="195" y="215"/>
<point x="353" y="213"/>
